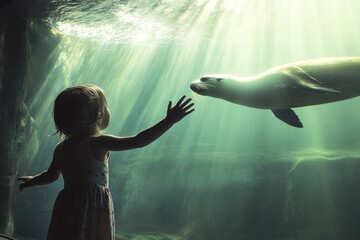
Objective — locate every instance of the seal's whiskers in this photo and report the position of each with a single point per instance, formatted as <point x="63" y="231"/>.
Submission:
<point x="197" y="97"/>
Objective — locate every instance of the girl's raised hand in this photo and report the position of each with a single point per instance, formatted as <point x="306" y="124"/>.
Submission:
<point x="180" y="110"/>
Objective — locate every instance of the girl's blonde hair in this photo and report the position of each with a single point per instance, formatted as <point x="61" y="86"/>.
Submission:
<point x="77" y="109"/>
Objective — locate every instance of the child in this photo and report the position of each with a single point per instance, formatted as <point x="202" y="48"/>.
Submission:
<point x="84" y="208"/>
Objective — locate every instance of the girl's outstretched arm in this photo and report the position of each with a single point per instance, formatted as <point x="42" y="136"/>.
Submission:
<point x="49" y="176"/>
<point x="174" y="114"/>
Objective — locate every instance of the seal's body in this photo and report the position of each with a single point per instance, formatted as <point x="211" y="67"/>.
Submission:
<point x="289" y="86"/>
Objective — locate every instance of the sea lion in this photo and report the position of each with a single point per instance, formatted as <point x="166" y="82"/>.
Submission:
<point x="298" y="84"/>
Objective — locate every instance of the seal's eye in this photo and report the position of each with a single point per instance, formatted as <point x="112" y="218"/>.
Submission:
<point x="203" y="79"/>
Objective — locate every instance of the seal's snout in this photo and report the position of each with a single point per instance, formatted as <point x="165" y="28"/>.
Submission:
<point x="194" y="87"/>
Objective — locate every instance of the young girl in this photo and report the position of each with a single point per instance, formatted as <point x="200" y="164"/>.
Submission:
<point x="84" y="208"/>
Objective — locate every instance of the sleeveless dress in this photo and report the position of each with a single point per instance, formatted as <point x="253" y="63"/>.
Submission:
<point x="84" y="208"/>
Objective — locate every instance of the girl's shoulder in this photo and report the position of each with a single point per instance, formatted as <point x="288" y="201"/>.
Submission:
<point x="73" y="145"/>
<point x="87" y="144"/>
<point x="96" y="148"/>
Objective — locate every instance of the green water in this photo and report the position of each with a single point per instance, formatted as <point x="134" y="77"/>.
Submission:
<point x="226" y="171"/>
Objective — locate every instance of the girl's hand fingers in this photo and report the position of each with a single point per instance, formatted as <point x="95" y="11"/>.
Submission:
<point x="188" y="112"/>
<point x="169" y="105"/>
<point x="24" y="178"/>
<point x="185" y="103"/>
<point x="188" y="107"/>
<point x="180" y="101"/>
<point x="180" y="110"/>
<point x="21" y="179"/>
<point x="21" y="187"/>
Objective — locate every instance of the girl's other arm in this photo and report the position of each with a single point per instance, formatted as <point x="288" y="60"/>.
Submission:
<point x="49" y="176"/>
<point x="175" y="114"/>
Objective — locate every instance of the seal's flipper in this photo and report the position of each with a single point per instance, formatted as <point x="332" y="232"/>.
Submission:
<point x="319" y="88"/>
<point x="288" y="116"/>
<point x="308" y="82"/>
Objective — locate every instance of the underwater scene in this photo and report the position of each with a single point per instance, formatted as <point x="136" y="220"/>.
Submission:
<point x="227" y="171"/>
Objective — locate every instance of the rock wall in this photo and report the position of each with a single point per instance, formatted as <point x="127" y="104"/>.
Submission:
<point x="13" y="118"/>
<point x="17" y="85"/>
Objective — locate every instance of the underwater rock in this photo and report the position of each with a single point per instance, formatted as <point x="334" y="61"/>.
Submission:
<point x="18" y="86"/>
<point x="14" y="36"/>
<point x="6" y="187"/>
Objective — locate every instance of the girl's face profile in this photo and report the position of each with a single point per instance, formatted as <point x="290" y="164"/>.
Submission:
<point x="104" y="120"/>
